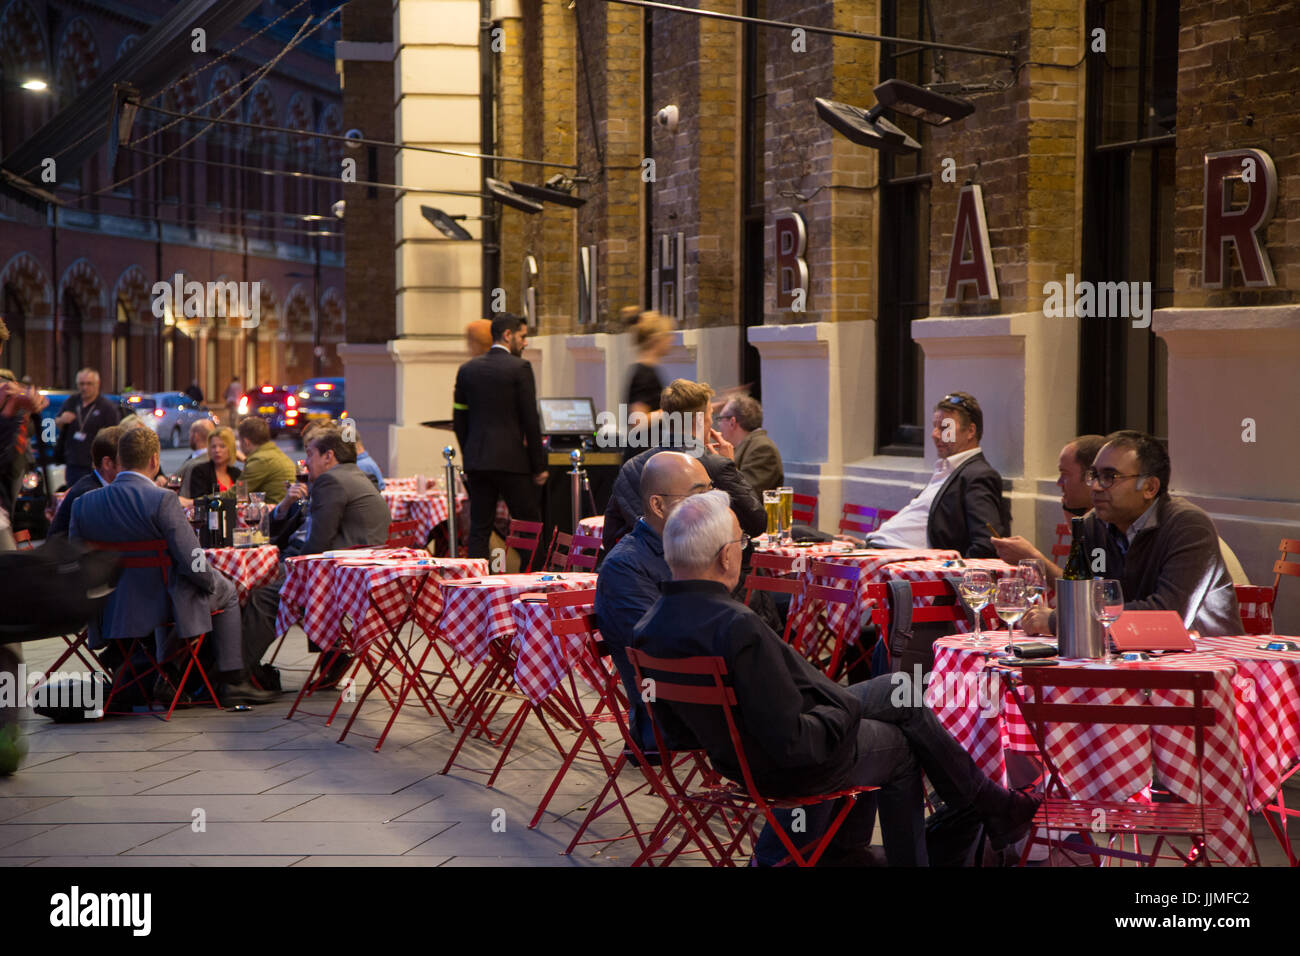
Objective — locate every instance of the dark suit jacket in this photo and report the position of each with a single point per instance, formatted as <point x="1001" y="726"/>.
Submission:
<point x="63" y="517"/>
<point x="133" y="508"/>
<point x="759" y="461"/>
<point x="1173" y="564"/>
<point x="798" y="728"/>
<point x="970" y="497"/>
<point x="495" y="415"/>
<point x="624" y="506"/>
<point x="203" y="478"/>
<point x="347" y="511"/>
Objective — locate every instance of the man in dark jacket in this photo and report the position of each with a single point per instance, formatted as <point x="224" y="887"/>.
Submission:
<point x="495" y="416"/>
<point x="964" y="496"/>
<point x="104" y="452"/>
<point x="685" y="409"/>
<point x="802" y="733"/>
<point x="80" y="417"/>
<point x="1164" y="551"/>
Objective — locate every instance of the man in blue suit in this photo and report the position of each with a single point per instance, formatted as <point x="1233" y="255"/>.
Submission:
<point x="133" y="508"/>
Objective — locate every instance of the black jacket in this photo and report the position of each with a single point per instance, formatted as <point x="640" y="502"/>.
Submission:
<point x="495" y="415"/>
<point x="63" y="517"/>
<point x="203" y="478"/>
<point x="799" y="729"/>
<point x="624" y="506"/>
<point x="966" y="502"/>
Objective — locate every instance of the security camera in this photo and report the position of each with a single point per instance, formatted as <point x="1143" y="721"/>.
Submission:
<point x="355" y="136"/>
<point x="667" y="118"/>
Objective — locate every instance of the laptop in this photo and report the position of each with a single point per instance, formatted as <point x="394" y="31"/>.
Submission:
<point x="1150" y="631"/>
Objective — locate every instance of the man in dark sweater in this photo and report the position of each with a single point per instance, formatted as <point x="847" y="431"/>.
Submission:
<point x="1163" y="550"/>
<point x="81" y="416"/>
<point x="803" y="734"/>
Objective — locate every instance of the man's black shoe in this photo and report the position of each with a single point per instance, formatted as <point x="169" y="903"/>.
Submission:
<point x="245" y="693"/>
<point x="1012" y="824"/>
<point x="164" y="691"/>
<point x="266" y="677"/>
<point x="335" y="673"/>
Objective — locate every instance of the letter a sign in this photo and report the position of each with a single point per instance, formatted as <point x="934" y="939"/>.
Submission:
<point x="971" y="262"/>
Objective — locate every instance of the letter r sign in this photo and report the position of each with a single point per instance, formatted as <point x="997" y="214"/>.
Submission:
<point x="1226" y="226"/>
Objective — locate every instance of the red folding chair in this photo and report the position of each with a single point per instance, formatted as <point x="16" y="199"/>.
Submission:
<point x="143" y="555"/>
<point x="1061" y="549"/>
<point x="956" y="612"/>
<point x="884" y="515"/>
<point x="555" y="558"/>
<point x="583" y="551"/>
<point x="678" y="681"/>
<point x="525" y="536"/>
<point x="858" y="519"/>
<point x="1256" y="605"/>
<point x="804" y="508"/>
<point x="827" y="650"/>
<point x="1287" y="547"/>
<point x="403" y="534"/>
<point x="1061" y="812"/>
<point x="778" y="580"/>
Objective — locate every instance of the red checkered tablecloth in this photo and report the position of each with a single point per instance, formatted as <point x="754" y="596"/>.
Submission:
<point x="249" y="568"/>
<point x="595" y="525"/>
<point x="477" y="612"/>
<point x="936" y="570"/>
<point x="308" y="593"/>
<point x="362" y="586"/>
<point x="543" y="660"/>
<point x="1103" y="761"/>
<point x="1267" y="688"/>
<point x="426" y="510"/>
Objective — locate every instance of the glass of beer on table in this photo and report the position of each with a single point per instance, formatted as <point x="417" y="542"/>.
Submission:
<point x="772" y="505"/>
<point x="787" y="510"/>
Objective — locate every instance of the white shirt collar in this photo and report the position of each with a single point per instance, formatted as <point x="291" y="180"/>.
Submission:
<point x="498" y="345"/>
<point x="946" y="465"/>
<point x="1141" y="521"/>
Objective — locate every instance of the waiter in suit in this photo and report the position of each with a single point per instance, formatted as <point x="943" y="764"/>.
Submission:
<point x="496" y="422"/>
<point x="963" y="499"/>
<point x="133" y="508"/>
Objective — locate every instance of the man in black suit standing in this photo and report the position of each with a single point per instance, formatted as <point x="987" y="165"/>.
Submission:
<point x="963" y="499"/>
<point x="500" y="436"/>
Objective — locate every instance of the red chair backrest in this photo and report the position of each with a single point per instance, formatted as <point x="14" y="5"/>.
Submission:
<point x="930" y="613"/>
<point x="139" y="554"/>
<point x="583" y="551"/>
<point x="804" y="508"/>
<point x="24" y="540"/>
<point x="1062" y="546"/>
<point x="1042" y="711"/>
<point x="1256" y="604"/>
<point x="554" y="561"/>
<point x="1287" y="546"/>
<point x="776" y="563"/>
<point x="402" y="534"/>
<point x="884" y="515"/>
<point x="859" y="518"/>
<point x="525" y="536"/>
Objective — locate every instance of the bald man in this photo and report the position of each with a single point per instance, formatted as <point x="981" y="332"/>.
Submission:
<point x="628" y="582"/>
<point x="478" y="337"/>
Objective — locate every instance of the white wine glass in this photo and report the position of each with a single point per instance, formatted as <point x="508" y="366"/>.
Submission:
<point x="1011" y="602"/>
<point x="976" y="590"/>
<point x="1030" y="570"/>
<point x="1107" y="606"/>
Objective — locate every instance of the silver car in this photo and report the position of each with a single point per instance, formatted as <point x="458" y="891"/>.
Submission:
<point x="169" y="414"/>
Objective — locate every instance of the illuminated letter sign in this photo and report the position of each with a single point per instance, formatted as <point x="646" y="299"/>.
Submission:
<point x="971" y="230"/>
<point x="791" y="269"/>
<point x="1239" y="227"/>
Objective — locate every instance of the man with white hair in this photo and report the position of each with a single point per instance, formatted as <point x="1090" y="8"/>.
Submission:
<point x="803" y="733"/>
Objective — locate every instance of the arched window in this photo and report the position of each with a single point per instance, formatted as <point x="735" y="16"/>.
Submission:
<point x="14" y="356"/>
<point x="122" y="348"/>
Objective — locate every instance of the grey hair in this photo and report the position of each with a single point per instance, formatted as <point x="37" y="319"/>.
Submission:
<point x="748" y="412"/>
<point x="696" y="531"/>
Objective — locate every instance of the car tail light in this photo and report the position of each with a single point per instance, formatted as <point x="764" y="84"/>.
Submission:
<point x="326" y="386"/>
<point x="158" y="413"/>
<point x="243" y="405"/>
<point x="291" y="401"/>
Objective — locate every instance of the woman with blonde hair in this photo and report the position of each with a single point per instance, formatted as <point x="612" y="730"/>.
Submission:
<point x="219" y="473"/>
<point x="653" y="335"/>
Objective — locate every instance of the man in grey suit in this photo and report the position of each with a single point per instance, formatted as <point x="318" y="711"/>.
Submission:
<point x="756" y="456"/>
<point x="345" y="511"/>
<point x="133" y="508"/>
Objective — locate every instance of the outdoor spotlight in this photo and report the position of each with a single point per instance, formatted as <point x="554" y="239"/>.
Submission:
<point x="866" y="128"/>
<point x="927" y="105"/>
<point x="445" y="224"/>
<point x="556" y="190"/>
<point x="354" y="138"/>
<point x="35" y="85"/>
<point x="502" y="193"/>
<point x="123" y="109"/>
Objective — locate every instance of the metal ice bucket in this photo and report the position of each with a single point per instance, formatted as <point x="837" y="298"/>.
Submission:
<point x="1079" y="634"/>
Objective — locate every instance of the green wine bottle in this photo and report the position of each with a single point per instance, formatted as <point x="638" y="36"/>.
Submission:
<point x="1077" y="567"/>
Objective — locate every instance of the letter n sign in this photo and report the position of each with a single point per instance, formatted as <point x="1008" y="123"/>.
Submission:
<point x="791" y="268"/>
<point x="1226" y="226"/>
<point x="971" y="233"/>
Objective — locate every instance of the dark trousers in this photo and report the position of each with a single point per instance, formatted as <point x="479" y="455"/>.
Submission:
<point x="258" y="621"/>
<point x="485" y="488"/>
<point x="896" y="740"/>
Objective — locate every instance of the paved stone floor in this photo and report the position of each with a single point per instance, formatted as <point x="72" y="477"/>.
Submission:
<point x="128" y="791"/>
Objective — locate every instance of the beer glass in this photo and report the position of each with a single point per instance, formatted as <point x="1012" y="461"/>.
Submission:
<point x="772" y="505"/>
<point x="787" y="510"/>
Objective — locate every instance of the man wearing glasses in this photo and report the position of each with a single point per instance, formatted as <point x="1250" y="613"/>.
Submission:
<point x="964" y="496"/>
<point x="1163" y="550"/>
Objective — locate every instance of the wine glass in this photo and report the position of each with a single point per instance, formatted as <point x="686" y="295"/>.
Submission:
<point x="1011" y="601"/>
<point x="977" y="590"/>
<point x="1031" y="572"/>
<point x="1107" y="606"/>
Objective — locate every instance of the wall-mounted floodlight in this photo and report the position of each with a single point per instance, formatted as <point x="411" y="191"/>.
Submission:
<point x="866" y="128"/>
<point x="35" y="85"/>
<point x="444" y="223"/>
<point x="502" y="193"/>
<point x="558" y="189"/>
<point x="927" y="105"/>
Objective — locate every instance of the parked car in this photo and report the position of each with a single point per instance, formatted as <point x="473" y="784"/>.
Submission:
<point x="320" y="398"/>
<point x="277" y="404"/>
<point x="169" y="414"/>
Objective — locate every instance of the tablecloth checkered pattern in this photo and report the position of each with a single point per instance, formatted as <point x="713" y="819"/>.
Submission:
<point x="249" y="568"/>
<point x="362" y="589"/>
<point x="476" y="614"/>
<point x="870" y="564"/>
<point x="1111" y="762"/>
<point x="595" y="525"/>
<point x="542" y="659"/>
<point x="308" y="593"/>
<point x="1267" y="688"/>
<point x="427" y="511"/>
<point x="932" y="569"/>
